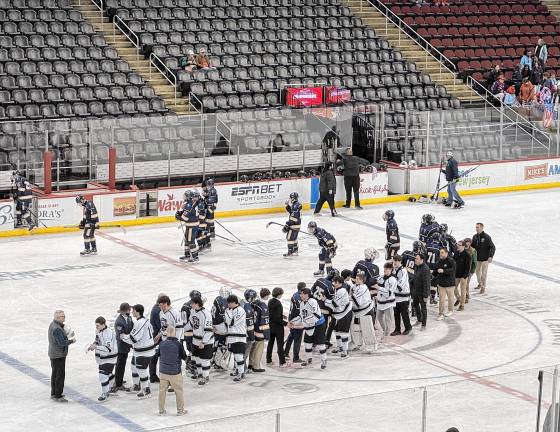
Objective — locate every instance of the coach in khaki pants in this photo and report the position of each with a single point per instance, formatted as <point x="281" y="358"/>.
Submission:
<point x="485" y="250"/>
<point x="445" y="283"/>
<point x="462" y="271"/>
<point x="170" y="353"/>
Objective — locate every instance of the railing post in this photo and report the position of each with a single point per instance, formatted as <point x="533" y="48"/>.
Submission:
<point x="47" y="171"/>
<point x="303" y="158"/>
<point x="277" y="422"/>
<point x="133" y="162"/>
<point x="501" y="129"/>
<point x="426" y="156"/>
<point x="424" y="408"/>
<point x="554" y="418"/>
<point x="169" y="166"/>
<point x="557" y="128"/>
<point x="271" y="151"/>
<point x="238" y="161"/>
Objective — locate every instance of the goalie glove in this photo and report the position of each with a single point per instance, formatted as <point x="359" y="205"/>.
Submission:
<point x="285" y="228"/>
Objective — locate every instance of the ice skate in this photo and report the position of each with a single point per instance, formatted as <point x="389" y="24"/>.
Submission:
<point x="85" y="252"/>
<point x="203" y="381"/>
<point x="144" y="394"/>
<point x="239" y="378"/>
<point x="103" y="397"/>
<point x="193" y="260"/>
<point x="319" y="273"/>
<point x="323" y="364"/>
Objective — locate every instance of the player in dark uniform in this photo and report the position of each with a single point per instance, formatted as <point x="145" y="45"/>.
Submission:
<point x="210" y="196"/>
<point x="250" y="296"/>
<point x="23" y="199"/>
<point x="392" y="230"/>
<point x="323" y="291"/>
<point x="89" y="224"/>
<point x="188" y="215"/>
<point x="432" y="252"/>
<point x="328" y="247"/>
<point x="368" y="268"/>
<point x="408" y="263"/>
<point x="448" y="240"/>
<point x="427" y="227"/>
<point x="293" y="224"/>
<point x="203" y="237"/>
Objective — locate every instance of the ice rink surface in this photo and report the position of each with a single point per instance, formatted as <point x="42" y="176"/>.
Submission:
<point x="473" y="364"/>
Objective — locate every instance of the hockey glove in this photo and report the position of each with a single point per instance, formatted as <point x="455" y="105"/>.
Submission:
<point x="285" y="228"/>
<point x="332" y="253"/>
<point x="178" y="215"/>
<point x="82" y="224"/>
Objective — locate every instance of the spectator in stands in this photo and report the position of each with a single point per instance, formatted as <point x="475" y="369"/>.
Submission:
<point x="549" y="81"/>
<point x="509" y="96"/>
<point x="331" y="143"/>
<point x="277" y="143"/>
<point x="537" y="72"/>
<point x="351" y="172"/>
<point x="222" y="148"/>
<point x="499" y="87"/>
<point x="527" y="94"/>
<point x="541" y="52"/>
<point x="527" y="60"/>
<point x="492" y="76"/>
<point x="188" y="63"/>
<point x="525" y="73"/>
<point x="202" y="60"/>
<point x="556" y="96"/>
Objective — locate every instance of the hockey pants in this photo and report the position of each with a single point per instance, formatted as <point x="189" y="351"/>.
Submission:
<point x="363" y="333"/>
<point x="106" y="377"/>
<point x="89" y="236"/>
<point x="140" y="373"/>
<point x="191" y="248"/>
<point x="325" y="260"/>
<point x="291" y="237"/>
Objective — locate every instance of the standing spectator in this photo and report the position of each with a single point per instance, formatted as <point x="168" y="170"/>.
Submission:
<point x="277" y="323"/>
<point x="386" y="286"/>
<point x="451" y="172"/>
<point x="472" y="253"/>
<point x="330" y="144"/>
<point x="492" y="75"/>
<point x="123" y="325"/>
<point x="541" y="52"/>
<point x="485" y="250"/>
<point x="526" y="60"/>
<point x="462" y="271"/>
<point x="421" y="289"/>
<point x="59" y="340"/>
<point x="445" y="271"/>
<point x="537" y="72"/>
<point x="202" y="60"/>
<point x="402" y="297"/>
<point x="327" y="190"/>
<point x="262" y="330"/>
<point x="351" y="172"/>
<point x="171" y="352"/>
<point x="499" y="87"/>
<point x="295" y="333"/>
<point x="156" y="325"/>
<point x="527" y="94"/>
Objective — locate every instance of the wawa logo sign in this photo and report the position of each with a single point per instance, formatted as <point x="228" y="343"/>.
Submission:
<point x="171" y="203"/>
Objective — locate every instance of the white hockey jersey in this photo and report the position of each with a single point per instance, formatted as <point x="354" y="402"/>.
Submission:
<point x="402" y="291"/>
<point x="106" y="346"/>
<point x="171" y="318"/>
<point x="236" y="324"/>
<point x="341" y="303"/>
<point x="201" y="324"/>
<point x="386" y="292"/>
<point x="362" y="304"/>
<point x="309" y="315"/>
<point x="141" y="338"/>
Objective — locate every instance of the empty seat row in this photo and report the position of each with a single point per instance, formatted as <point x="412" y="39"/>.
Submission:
<point x="65" y="68"/>
<point x="145" y="4"/>
<point x="531" y="31"/>
<point x="70" y="80"/>
<point x="480" y="20"/>
<point x="60" y="53"/>
<point x="35" y="4"/>
<point x="46" y="15"/>
<point x="471" y="9"/>
<point x="506" y="42"/>
<point x="44" y="28"/>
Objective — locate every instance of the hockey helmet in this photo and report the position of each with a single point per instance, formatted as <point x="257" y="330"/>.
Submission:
<point x="435" y="238"/>
<point x="257" y="176"/>
<point x="428" y="218"/>
<point x="195" y="195"/>
<point x="250" y="295"/>
<point x="332" y="273"/>
<point x="294" y="196"/>
<point x="389" y="214"/>
<point x="225" y="291"/>
<point x="195" y="293"/>
<point x="371" y="254"/>
<point x="417" y="246"/>
<point x="80" y="199"/>
<point x="311" y="227"/>
<point x="443" y="228"/>
<point x="244" y="178"/>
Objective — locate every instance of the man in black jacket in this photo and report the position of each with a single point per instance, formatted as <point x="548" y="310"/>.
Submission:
<point x="123" y="325"/>
<point x="327" y="189"/>
<point x="295" y="334"/>
<point x="445" y="271"/>
<point x="485" y="251"/>
<point x="462" y="271"/>
<point x="421" y="289"/>
<point x="156" y="325"/>
<point x="277" y="323"/>
<point x="351" y="174"/>
<point x="451" y="172"/>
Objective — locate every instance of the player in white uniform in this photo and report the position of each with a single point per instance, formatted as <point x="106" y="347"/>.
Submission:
<point x="342" y="313"/>
<point x="142" y="340"/>
<point x="105" y="346"/>
<point x="236" y="324"/>
<point x="169" y="317"/>
<point x="362" y="331"/>
<point x="203" y="340"/>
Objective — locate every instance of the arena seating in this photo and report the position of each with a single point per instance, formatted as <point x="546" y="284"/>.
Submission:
<point x="480" y="33"/>
<point x="53" y="64"/>
<point x="257" y="47"/>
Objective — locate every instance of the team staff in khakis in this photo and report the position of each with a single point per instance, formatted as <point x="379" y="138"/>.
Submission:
<point x="462" y="271"/>
<point x="123" y="325"/>
<point x="60" y="337"/>
<point x="351" y="172"/>
<point x="485" y="250"/>
<point x="171" y="353"/>
<point x="262" y="330"/>
<point x="445" y="271"/>
<point x="421" y="284"/>
<point x="472" y="253"/>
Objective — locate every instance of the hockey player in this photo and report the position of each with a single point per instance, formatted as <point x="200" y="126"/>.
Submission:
<point x="106" y="351"/>
<point x="362" y="330"/>
<point x="210" y="196"/>
<point x="386" y="286"/>
<point x="366" y="266"/>
<point x="218" y="310"/>
<point x="203" y="238"/>
<point x="392" y="231"/>
<point x="89" y="224"/>
<point x="328" y="247"/>
<point x="293" y="224"/>
<point x="202" y="341"/>
<point x="408" y="256"/>
<point x="186" y="311"/>
<point x="142" y="340"/>
<point x="427" y="227"/>
<point x="342" y="314"/>
<point x="402" y="297"/>
<point x="448" y="241"/>
<point x="236" y="324"/>
<point x="23" y="198"/>
<point x="168" y="316"/>
<point x="262" y="330"/>
<point x="432" y="253"/>
<point x="188" y="215"/>
<point x="314" y="325"/>
<point x="250" y="296"/>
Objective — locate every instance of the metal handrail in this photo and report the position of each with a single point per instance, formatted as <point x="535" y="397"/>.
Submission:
<point x="415" y="37"/>
<point x="127" y="32"/>
<point x="101" y="9"/>
<point x="193" y="96"/>
<point x="170" y="77"/>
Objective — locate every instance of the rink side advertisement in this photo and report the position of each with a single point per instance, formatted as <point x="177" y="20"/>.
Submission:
<point x="6" y="215"/>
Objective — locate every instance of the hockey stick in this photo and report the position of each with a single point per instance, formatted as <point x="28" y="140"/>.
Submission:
<point x="182" y="229"/>
<point x="232" y="234"/>
<point x="467" y="172"/>
<point x="282" y="225"/>
<point x="102" y="226"/>
<point x="36" y="217"/>
<point x="539" y="401"/>
<point x="435" y="196"/>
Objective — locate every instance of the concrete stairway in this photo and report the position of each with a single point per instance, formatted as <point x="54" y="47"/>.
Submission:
<point x="128" y="52"/>
<point x="411" y="51"/>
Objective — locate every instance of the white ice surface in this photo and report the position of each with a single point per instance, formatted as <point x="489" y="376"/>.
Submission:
<point x="507" y="331"/>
